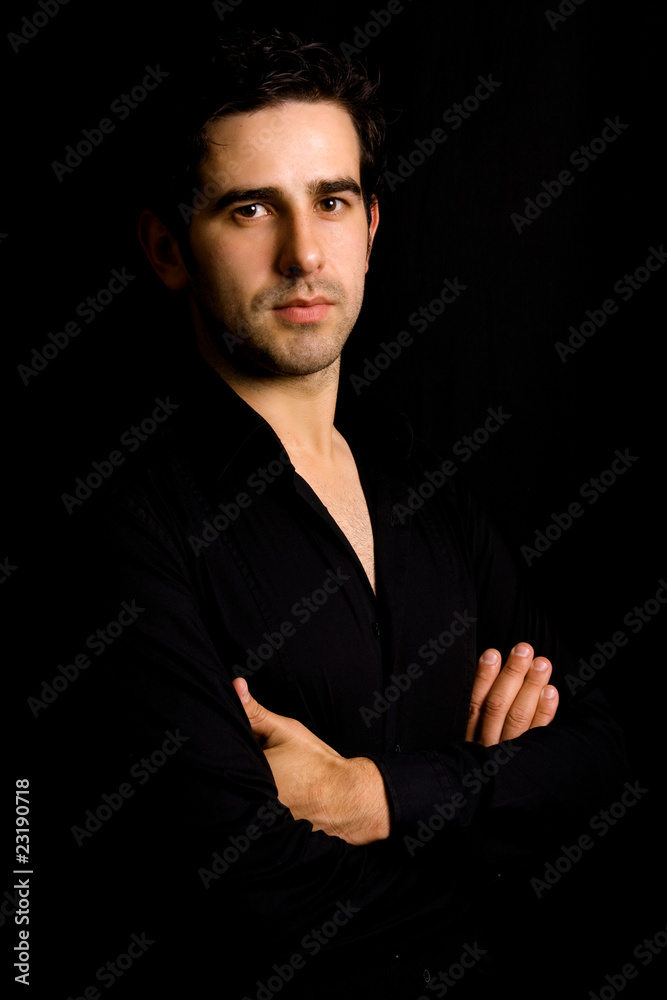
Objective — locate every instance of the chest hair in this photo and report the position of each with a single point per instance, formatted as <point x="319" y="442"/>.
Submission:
<point x="345" y="501"/>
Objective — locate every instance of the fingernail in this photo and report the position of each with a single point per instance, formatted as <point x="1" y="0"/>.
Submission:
<point x="549" y="692"/>
<point x="244" y="693"/>
<point x="522" y="649"/>
<point x="540" y="665"/>
<point x="489" y="656"/>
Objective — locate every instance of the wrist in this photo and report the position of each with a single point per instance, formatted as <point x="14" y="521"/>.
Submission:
<point x="368" y="801"/>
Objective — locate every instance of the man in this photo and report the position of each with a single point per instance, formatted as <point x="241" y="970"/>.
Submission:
<point x="388" y="767"/>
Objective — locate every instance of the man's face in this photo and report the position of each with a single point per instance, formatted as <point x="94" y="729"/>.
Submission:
<point x="281" y="253"/>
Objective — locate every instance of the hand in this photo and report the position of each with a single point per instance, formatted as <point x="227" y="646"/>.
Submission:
<point x="344" y="797"/>
<point x="506" y="703"/>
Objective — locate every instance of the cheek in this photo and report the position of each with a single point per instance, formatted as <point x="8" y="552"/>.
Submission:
<point x="225" y="265"/>
<point x="348" y="257"/>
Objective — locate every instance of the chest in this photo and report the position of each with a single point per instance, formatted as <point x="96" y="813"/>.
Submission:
<point x="288" y="606"/>
<point x="344" y="498"/>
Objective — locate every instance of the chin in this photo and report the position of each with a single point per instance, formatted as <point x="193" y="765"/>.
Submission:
<point x="304" y="355"/>
<point x="293" y="366"/>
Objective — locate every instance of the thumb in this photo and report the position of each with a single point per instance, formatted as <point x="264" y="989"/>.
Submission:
<point x="262" y="721"/>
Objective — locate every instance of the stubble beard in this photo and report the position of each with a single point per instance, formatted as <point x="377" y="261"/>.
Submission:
<point x="260" y="344"/>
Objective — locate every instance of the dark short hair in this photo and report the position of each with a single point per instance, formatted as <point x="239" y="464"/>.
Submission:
<point x="245" y="74"/>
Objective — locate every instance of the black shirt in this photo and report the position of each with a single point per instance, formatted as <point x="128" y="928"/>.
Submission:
<point x="232" y="565"/>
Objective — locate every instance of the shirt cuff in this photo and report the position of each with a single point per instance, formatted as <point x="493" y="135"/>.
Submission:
<point x="416" y="783"/>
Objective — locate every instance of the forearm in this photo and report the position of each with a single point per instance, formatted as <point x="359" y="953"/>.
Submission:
<point x="516" y="795"/>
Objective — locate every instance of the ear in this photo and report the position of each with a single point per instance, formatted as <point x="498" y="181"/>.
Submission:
<point x="162" y="251"/>
<point x="372" y="229"/>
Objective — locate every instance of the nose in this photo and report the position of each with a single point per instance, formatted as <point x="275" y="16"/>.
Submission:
<point x="301" y="250"/>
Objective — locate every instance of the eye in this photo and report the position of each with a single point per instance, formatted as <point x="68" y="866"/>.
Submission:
<point x="331" y="205"/>
<point x="255" y="211"/>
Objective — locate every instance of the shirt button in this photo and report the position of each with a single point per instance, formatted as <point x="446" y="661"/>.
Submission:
<point x="397" y="748"/>
<point x="427" y="976"/>
<point x="376" y="629"/>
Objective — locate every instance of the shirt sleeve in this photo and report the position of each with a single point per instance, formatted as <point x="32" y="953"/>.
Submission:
<point x="525" y="793"/>
<point x="234" y="846"/>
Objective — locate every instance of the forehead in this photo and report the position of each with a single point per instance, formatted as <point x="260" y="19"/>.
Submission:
<point x="294" y="142"/>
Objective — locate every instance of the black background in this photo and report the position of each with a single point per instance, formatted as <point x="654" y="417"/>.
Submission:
<point x="494" y="347"/>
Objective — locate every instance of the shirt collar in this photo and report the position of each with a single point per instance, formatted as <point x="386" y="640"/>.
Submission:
<point x="226" y="435"/>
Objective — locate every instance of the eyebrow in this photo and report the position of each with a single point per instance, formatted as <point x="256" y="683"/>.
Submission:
<point x="322" y="188"/>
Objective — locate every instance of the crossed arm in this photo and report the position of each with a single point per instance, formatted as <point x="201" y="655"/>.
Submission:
<point x="346" y="797"/>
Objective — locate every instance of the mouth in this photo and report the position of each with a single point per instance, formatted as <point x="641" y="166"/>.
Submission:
<point x="304" y="310"/>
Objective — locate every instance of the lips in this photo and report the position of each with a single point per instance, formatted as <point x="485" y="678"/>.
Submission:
<point x="304" y="310"/>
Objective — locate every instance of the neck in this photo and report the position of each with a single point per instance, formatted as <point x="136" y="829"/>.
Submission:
<point x="299" y="408"/>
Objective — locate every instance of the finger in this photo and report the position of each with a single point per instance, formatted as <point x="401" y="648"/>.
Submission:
<point x="264" y="723"/>
<point x="521" y="712"/>
<point x="546" y="707"/>
<point x="503" y="692"/>
<point x="488" y="667"/>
